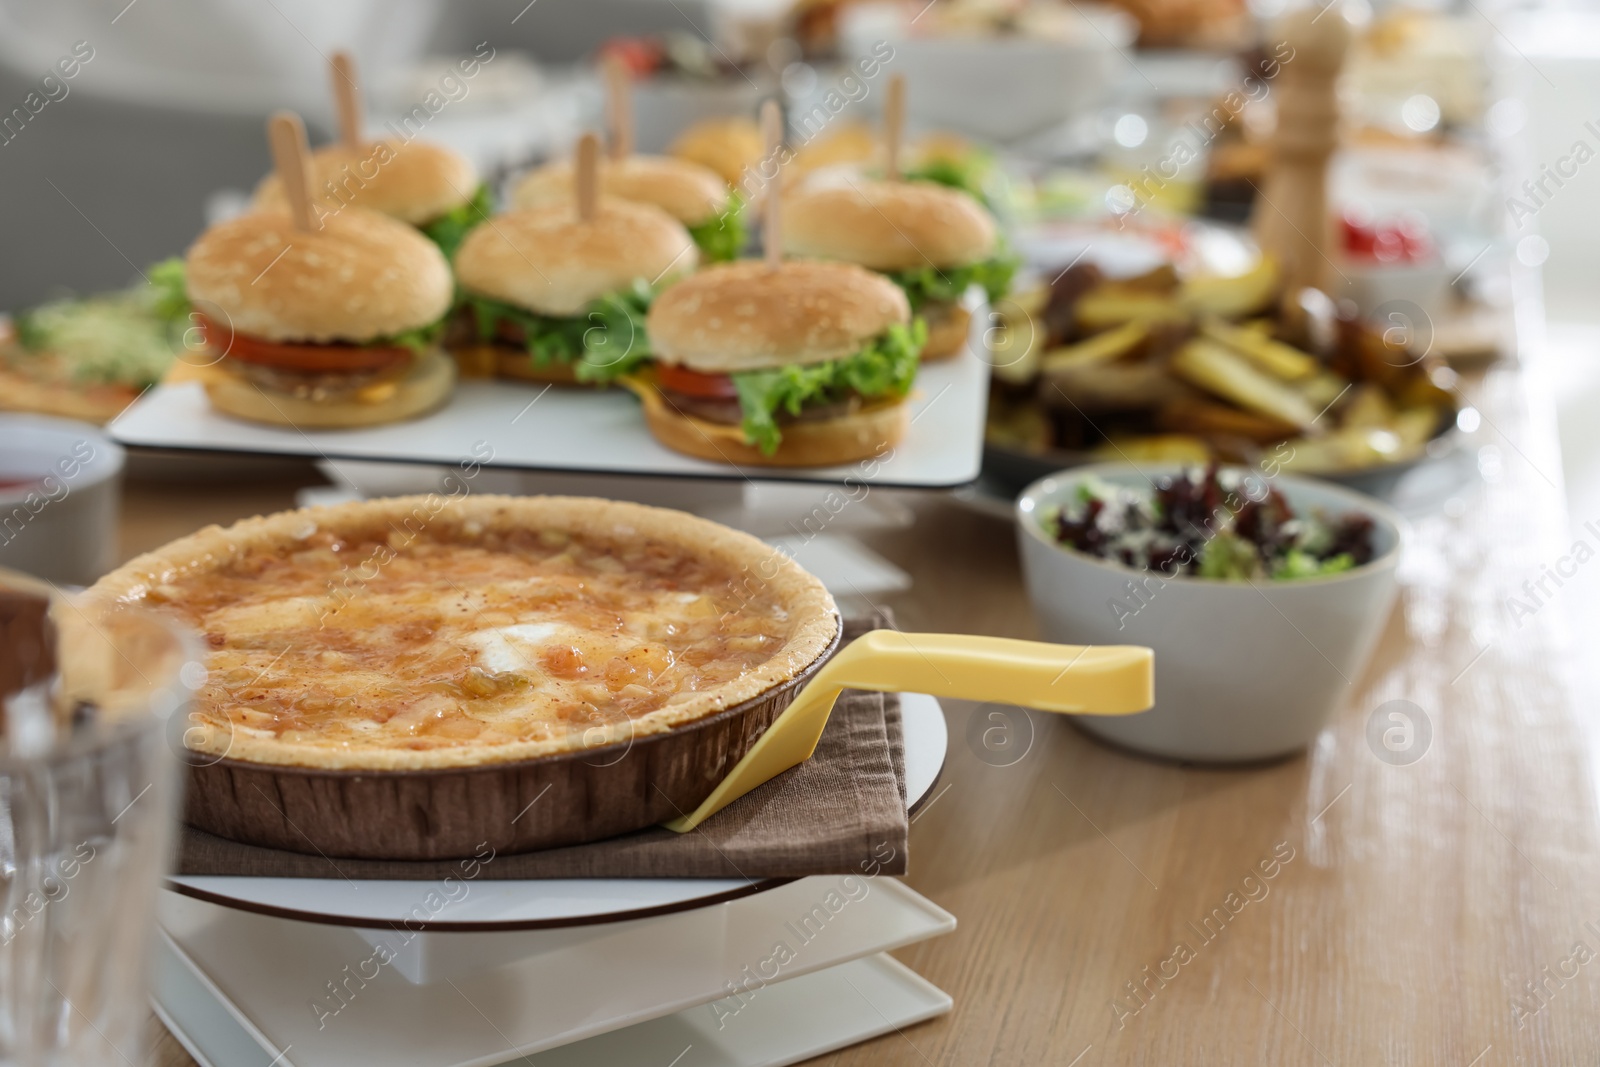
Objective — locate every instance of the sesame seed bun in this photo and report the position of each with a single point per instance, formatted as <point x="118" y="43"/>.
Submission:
<point x="548" y="260"/>
<point x="360" y="277"/>
<point x="887" y="226"/>
<point x="948" y="327"/>
<point x="726" y="146"/>
<point x="746" y="315"/>
<point x="688" y="192"/>
<point x="415" y="182"/>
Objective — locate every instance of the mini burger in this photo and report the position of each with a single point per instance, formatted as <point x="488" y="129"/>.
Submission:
<point x="427" y="185"/>
<point x="329" y="327"/>
<point x="932" y="241"/>
<point x="791" y="364"/>
<point x="727" y="146"/>
<point x="689" y="192"/>
<point x="553" y="297"/>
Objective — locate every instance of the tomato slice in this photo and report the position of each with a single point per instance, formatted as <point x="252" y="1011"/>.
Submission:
<point x="693" y="383"/>
<point x="301" y="357"/>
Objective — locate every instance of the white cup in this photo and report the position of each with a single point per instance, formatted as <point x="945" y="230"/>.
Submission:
<point x="60" y="484"/>
<point x="1244" y="670"/>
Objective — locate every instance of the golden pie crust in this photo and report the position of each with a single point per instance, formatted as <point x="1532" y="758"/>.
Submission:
<point x="440" y="631"/>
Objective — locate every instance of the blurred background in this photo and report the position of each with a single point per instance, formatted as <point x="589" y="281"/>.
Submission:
<point x="159" y="128"/>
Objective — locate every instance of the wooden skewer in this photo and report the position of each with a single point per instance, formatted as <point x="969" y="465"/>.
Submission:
<point x="772" y="133"/>
<point x="287" y="136"/>
<point x="619" y="106"/>
<point x="894" y="125"/>
<point x="586" y="176"/>
<point x="347" y="98"/>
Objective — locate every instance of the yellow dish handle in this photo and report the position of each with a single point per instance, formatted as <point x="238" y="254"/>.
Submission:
<point x="1072" y="679"/>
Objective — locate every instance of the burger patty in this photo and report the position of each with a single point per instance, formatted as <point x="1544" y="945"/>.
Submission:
<point x="728" y="412"/>
<point x="319" y="385"/>
<point x="511" y="333"/>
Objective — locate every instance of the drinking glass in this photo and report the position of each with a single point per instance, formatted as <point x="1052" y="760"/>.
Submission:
<point x="91" y="696"/>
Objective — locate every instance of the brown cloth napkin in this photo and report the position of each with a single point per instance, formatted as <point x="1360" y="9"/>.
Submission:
<point x="841" y="812"/>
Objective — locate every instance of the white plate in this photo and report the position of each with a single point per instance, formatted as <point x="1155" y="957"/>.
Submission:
<point x="536" y="903"/>
<point x="796" y="1020"/>
<point x="528" y="427"/>
<point x="1197" y="246"/>
<point x="312" y="995"/>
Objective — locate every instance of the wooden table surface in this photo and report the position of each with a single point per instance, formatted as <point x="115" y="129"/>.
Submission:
<point x="1439" y="913"/>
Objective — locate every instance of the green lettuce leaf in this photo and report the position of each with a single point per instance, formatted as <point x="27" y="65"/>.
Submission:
<point x="1230" y="557"/>
<point x="1299" y="563"/>
<point x="886" y="367"/>
<point x="721" y="237"/>
<point x="968" y="174"/>
<point x="448" y="230"/>
<point x="168" y="291"/>
<point x="603" y="343"/>
<point x="927" y="285"/>
<point x="419" y="340"/>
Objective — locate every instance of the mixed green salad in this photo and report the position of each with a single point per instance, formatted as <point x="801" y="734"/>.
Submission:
<point x="128" y="337"/>
<point x="604" y="342"/>
<point x="1210" y="523"/>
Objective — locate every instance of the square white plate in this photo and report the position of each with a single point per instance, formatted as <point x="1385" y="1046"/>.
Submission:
<point x="313" y="995"/>
<point x="530" y="427"/>
<point x="794" y="1020"/>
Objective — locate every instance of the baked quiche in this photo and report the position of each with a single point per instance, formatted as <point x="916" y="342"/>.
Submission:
<point x="434" y="632"/>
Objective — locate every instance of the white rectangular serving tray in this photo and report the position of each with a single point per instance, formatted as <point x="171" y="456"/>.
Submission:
<point x="795" y="1020"/>
<point x="286" y="984"/>
<point x="519" y="426"/>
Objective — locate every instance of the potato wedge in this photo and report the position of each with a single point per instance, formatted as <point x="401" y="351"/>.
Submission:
<point x="1107" y="307"/>
<point x="1031" y="300"/>
<point x="1367" y="406"/>
<point x="1415" y="427"/>
<point x="1233" y="297"/>
<point x="1112" y="387"/>
<point x="1204" y="417"/>
<point x="1016" y="342"/>
<point x="1021" y="428"/>
<point x="1282" y="361"/>
<point x="1351" y="448"/>
<point x="1322" y="390"/>
<point x="1101" y="348"/>
<point x="1155" y="448"/>
<point x="1216" y="369"/>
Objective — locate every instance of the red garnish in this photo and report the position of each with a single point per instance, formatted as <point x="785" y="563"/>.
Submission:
<point x="641" y="55"/>
<point x="1393" y="242"/>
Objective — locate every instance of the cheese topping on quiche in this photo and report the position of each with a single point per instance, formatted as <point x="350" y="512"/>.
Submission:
<point x="347" y="646"/>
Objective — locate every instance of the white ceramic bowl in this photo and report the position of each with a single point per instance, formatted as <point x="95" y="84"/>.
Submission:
<point x="1244" y="670"/>
<point x="60" y="486"/>
<point x="996" y="88"/>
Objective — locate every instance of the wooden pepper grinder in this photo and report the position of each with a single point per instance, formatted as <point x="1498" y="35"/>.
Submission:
<point x="1290" y="220"/>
